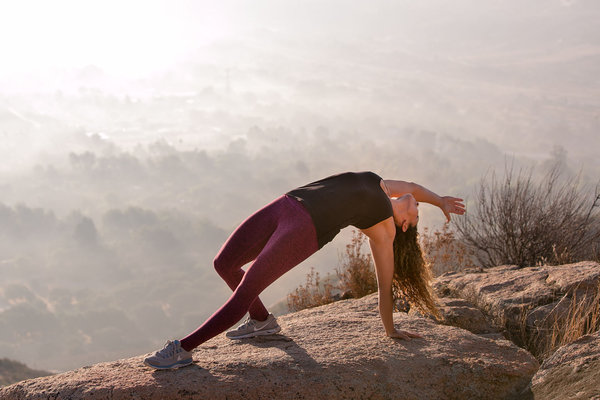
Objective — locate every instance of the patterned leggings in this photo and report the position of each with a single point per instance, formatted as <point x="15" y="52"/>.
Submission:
<point x="277" y="237"/>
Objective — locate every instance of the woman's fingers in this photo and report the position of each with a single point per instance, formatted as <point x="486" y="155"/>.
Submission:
<point x="452" y="205"/>
<point x="408" y="335"/>
<point x="458" y="203"/>
<point x="456" y="206"/>
<point x="458" y="210"/>
<point x="405" y="335"/>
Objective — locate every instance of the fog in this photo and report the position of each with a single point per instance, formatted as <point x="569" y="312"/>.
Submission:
<point x="135" y="138"/>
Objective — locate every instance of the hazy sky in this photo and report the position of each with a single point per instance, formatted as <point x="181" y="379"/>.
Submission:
<point x="423" y="57"/>
<point x="128" y="38"/>
<point x="136" y="37"/>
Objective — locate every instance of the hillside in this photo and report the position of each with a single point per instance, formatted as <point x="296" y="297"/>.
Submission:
<point x="13" y="371"/>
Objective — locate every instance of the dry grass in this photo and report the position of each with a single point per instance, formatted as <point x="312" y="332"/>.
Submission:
<point x="444" y="252"/>
<point x="355" y="272"/>
<point x="582" y="318"/>
<point x="576" y="314"/>
<point x="313" y="293"/>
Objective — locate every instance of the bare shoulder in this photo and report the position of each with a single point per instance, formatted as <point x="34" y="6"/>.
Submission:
<point x="398" y="188"/>
<point x="382" y="231"/>
<point x="384" y="187"/>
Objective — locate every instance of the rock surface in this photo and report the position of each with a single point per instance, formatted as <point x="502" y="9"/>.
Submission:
<point x="572" y="372"/>
<point x="462" y="314"/>
<point x="330" y="352"/>
<point x="510" y="296"/>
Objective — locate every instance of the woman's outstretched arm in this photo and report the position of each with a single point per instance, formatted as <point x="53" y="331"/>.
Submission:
<point x="447" y="204"/>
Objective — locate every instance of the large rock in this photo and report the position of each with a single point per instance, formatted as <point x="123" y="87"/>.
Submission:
<point x="330" y="352"/>
<point x="572" y="372"/>
<point x="526" y="302"/>
<point x="462" y="314"/>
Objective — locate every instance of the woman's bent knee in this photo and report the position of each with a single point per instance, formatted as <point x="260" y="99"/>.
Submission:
<point x="219" y="265"/>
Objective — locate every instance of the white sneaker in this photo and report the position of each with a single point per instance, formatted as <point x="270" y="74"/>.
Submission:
<point x="252" y="327"/>
<point x="170" y="356"/>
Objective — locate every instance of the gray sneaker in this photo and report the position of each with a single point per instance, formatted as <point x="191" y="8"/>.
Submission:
<point x="170" y="356"/>
<point x="252" y="327"/>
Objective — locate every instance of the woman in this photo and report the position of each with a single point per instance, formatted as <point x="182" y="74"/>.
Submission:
<point x="297" y="224"/>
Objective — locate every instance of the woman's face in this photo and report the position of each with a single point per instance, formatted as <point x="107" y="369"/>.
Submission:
<point x="406" y="211"/>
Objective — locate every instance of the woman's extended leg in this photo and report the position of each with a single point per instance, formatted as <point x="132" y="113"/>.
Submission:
<point x="243" y="246"/>
<point x="292" y="239"/>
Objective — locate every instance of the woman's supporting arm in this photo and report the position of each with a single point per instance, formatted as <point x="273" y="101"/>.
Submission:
<point x="383" y="256"/>
<point x="381" y="240"/>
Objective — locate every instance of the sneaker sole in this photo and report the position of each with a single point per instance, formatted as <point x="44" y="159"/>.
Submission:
<point x="257" y="333"/>
<point x="176" y="365"/>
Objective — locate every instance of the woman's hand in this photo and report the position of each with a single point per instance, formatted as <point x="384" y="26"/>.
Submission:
<point x="405" y="335"/>
<point x="452" y="205"/>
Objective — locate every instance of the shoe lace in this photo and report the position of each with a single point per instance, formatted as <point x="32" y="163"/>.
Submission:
<point x="168" y="350"/>
<point x="248" y="322"/>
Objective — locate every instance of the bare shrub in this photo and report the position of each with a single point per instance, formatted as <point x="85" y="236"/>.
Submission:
<point x="517" y="221"/>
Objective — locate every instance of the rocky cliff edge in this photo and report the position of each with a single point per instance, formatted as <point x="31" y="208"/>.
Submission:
<point x="330" y="352"/>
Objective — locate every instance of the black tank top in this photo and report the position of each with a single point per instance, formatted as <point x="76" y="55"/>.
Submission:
<point x="351" y="198"/>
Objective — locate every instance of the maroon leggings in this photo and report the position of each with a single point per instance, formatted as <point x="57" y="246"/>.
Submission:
<point x="277" y="237"/>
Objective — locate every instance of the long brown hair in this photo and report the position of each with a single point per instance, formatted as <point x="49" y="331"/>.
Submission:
<point x="412" y="274"/>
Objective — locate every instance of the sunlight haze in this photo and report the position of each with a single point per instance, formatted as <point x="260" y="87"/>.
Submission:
<point x="130" y="38"/>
